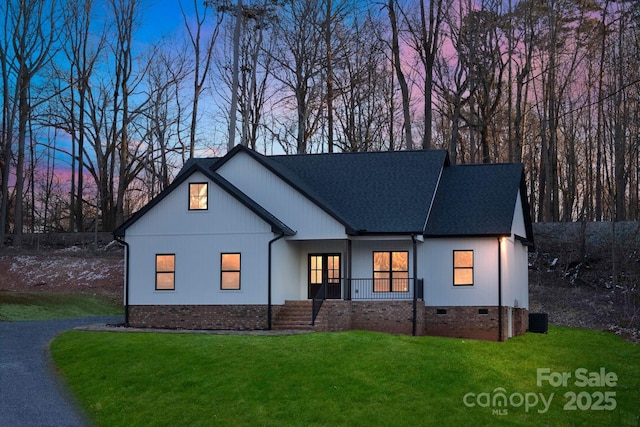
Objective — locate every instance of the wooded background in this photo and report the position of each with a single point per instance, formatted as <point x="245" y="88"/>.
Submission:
<point x="95" y="122"/>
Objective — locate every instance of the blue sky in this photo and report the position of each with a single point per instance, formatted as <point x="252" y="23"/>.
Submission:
<point x="162" y="17"/>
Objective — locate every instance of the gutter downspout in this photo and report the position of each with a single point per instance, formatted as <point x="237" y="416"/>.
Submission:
<point x="499" y="289"/>
<point x="269" y="280"/>
<point x="126" y="279"/>
<point x="415" y="279"/>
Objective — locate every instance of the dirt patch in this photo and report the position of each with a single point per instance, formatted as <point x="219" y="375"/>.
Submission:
<point x="587" y="275"/>
<point x="67" y="270"/>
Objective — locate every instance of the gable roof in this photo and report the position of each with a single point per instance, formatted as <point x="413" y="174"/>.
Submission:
<point x="374" y="192"/>
<point x="392" y="192"/>
<point x="368" y="192"/>
<point x="203" y="166"/>
<point x="478" y="200"/>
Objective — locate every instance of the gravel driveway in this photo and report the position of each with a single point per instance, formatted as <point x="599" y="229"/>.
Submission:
<point x="31" y="392"/>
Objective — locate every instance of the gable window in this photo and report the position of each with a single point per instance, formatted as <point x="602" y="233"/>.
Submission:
<point x="165" y="272"/>
<point x="463" y="268"/>
<point x="198" y="199"/>
<point x="230" y="271"/>
<point x="391" y="271"/>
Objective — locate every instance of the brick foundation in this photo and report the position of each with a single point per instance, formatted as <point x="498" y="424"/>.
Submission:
<point x="474" y="322"/>
<point x="394" y="317"/>
<point x="520" y="321"/>
<point x="231" y="317"/>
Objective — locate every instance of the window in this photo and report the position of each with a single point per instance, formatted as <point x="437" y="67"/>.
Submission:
<point x="229" y="271"/>
<point x="165" y="272"/>
<point x="463" y="268"/>
<point x="198" y="196"/>
<point x="391" y="271"/>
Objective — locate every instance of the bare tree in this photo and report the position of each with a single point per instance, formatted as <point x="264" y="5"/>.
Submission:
<point x="425" y="37"/>
<point x="364" y="81"/>
<point x="297" y="65"/>
<point x="202" y="59"/>
<point x="33" y="25"/>
<point x="82" y="50"/>
<point x="402" y="81"/>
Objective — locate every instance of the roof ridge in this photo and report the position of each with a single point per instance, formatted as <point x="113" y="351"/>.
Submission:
<point x="356" y="153"/>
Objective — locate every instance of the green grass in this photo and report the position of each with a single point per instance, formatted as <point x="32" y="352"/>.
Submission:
<point x="351" y="378"/>
<point x="16" y="306"/>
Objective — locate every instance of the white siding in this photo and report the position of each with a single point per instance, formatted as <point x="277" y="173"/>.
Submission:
<point x="197" y="238"/>
<point x="515" y="276"/>
<point x="286" y="271"/>
<point x="299" y="213"/>
<point x="515" y="265"/>
<point x="517" y="226"/>
<point x="436" y="267"/>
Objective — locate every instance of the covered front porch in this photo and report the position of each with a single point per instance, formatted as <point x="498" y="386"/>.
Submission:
<point x="332" y="283"/>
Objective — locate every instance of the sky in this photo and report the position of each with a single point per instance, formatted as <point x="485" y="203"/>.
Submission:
<point x="163" y="17"/>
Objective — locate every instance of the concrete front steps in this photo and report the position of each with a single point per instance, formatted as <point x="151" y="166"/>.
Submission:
<point x="294" y="315"/>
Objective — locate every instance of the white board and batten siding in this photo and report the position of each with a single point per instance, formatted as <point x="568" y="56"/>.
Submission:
<point x="517" y="226"/>
<point x="516" y="263"/>
<point x="283" y="201"/>
<point x="197" y="238"/>
<point x="435" y="265"/>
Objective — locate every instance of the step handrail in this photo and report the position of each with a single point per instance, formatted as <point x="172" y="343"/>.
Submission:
<point x="316" y="305"/>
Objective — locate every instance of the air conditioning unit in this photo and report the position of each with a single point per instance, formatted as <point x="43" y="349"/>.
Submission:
<point x="538" y="323"/>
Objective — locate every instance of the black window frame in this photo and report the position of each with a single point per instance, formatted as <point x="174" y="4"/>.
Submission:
<point x="391" y="272"/>
<point x="238" y="271"/>
<point x="472" y="268"/>
<point x="190" y="198"/>
<point x="165" y="272"/>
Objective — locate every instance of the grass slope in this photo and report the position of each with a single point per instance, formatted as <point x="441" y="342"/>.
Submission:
<point x="16" y="306"/>
<point x="351" y="378"/>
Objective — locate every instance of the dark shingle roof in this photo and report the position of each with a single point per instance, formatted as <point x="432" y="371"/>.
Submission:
<point x="475" y="200"/>
<point x="373" y="192"/>
<point x="388" y="192"/>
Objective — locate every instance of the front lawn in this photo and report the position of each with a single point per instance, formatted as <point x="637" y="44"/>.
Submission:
<point x="351" y="378"/>
<point x="16" y="306"/>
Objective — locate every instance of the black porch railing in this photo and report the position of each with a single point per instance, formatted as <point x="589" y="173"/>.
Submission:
<point x="385" y="289"/>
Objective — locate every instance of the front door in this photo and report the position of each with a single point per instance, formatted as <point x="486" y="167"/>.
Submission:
<point x="325" y="268"/>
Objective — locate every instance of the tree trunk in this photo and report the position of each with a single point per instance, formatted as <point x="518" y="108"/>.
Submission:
<point x="233" y="111"/>
<point x="404" y="89"/>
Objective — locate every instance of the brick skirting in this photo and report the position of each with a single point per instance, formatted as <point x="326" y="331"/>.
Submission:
<point x="383" y="316"/>
<point x="229" y="317"/>
<point x="395" y="317"/>
<point x="474" y="322"/>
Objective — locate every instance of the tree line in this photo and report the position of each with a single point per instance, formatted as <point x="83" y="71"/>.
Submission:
<point x="96" y="120"/>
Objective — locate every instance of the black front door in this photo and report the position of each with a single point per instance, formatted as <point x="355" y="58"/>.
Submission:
<point x="325" y="268"/>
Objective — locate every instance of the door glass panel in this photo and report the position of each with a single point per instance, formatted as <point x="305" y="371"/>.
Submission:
<point x="333" y="268"/>
<point x="316" y="269"/>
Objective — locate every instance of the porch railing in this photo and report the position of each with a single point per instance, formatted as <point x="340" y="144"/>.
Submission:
<point x="385" y="289"/>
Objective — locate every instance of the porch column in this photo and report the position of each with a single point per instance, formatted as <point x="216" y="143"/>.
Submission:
<point x="347" y="285"/>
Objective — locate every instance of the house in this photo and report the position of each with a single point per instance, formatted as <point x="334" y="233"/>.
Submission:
<point x="402" y="242"/>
